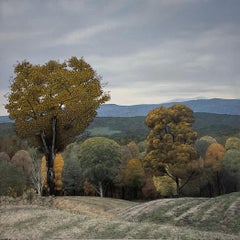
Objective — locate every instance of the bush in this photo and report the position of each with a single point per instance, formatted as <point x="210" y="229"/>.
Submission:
<point x="28" y="195"/>
<point x="12" y="179"/>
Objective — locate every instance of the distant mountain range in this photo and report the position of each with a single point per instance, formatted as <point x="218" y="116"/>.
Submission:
<point x="215" y="105"/>
<point x="5" y="119"/>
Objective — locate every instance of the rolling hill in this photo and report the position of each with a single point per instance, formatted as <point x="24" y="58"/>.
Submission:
<point x="104" y="218"/>
<point x="134" y="128"/>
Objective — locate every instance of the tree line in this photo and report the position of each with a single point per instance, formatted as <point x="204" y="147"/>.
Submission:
<point x="99" y="166"/>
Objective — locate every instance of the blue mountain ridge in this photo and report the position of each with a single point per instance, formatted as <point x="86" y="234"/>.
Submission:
<point x="5" y="119"/>
<point x="215" y="105"/>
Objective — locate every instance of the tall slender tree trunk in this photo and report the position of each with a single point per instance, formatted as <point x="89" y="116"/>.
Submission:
<point x="50" y="175"/>
<point x="178" y="187"/>
<point x="100" y="186"/>
<point x="50" y="152"/>
<point x="219" y="184"/>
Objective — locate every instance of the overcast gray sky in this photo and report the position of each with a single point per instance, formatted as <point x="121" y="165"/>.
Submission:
<point x="148" y="51"/>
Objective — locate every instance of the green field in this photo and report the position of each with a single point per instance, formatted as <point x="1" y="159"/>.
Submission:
<point x="104" y="218"/>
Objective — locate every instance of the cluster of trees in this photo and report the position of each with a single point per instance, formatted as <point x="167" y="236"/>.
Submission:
<point x="105" y="167"/>
<point x="181" y="164"/>
<point x="100" y="166"/>
<point x="219" y="164"/>
<point x="96" y="166"/>
<point x="16" y="173"/>
<point x="53" y="103"/>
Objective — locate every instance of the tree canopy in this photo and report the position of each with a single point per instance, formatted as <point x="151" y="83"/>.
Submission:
<point x="231" y="170"/>
<point x="202" y="144"/>
<point x="232" y="143"/>
<point x="100" y="161"/>
<point x="69" y="92"/>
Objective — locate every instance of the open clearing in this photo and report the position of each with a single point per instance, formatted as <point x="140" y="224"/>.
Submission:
<point x="102" y="218"/>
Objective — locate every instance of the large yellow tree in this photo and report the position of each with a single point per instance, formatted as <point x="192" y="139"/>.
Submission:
<point x="170" y="150"/>
<point x="54" y="102"/>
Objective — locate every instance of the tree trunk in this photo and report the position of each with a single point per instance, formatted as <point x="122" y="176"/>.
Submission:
<point x="186" y="182"/>
<point x="100" y="186"/>
<point x="219" y="184"/>
<point x="210" y="189"/>
<point x="50" y="152"/>
<point x="36" y="172"/>
<point x="178" y="187"/>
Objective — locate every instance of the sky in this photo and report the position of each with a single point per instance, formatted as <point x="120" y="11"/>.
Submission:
<point x="147" y="51"/>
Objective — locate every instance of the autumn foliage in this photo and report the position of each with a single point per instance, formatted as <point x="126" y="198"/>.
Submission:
<point x="214" y="156"/>
<point x="69" y="91"/>
<point x="170" y="142"/>
<point x="44" y="173"/>
<point x="58" y="168"/>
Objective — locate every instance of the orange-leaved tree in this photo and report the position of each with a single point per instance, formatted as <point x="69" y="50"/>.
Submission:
<point x="52" y="103"/>
<point x="58" y="168"/>
<point x="212" y="166"/>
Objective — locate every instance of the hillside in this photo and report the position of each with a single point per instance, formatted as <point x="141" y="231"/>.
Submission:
<point x="212" y="214"/>
<point x="130" y="128"/>
<point x="134" y="128"/>
<point x="216" y="105"/>
<point x="6" y="129"/>
<point x="90" y="217"/>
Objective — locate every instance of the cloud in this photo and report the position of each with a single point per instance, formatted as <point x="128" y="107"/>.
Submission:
<point x="82" y="35"/>
<point x="3" y="102"/>
<point x="184" y="67"/>
<point x="172" y="59"/>
<point x="147" y="51"/>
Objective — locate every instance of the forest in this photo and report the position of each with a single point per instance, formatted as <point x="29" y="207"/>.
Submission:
<point x="130" y="133"/>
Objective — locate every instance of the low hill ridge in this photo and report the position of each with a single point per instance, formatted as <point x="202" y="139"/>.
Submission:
<point x="215" y="105"/>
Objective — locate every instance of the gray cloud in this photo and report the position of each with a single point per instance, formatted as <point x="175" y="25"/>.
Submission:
<point x="148" y="51"/>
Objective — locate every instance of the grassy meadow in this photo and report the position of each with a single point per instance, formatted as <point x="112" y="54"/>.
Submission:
<point x="104" y="218"/>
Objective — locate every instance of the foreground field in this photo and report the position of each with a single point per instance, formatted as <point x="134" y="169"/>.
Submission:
<point x="87" y="217"/>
